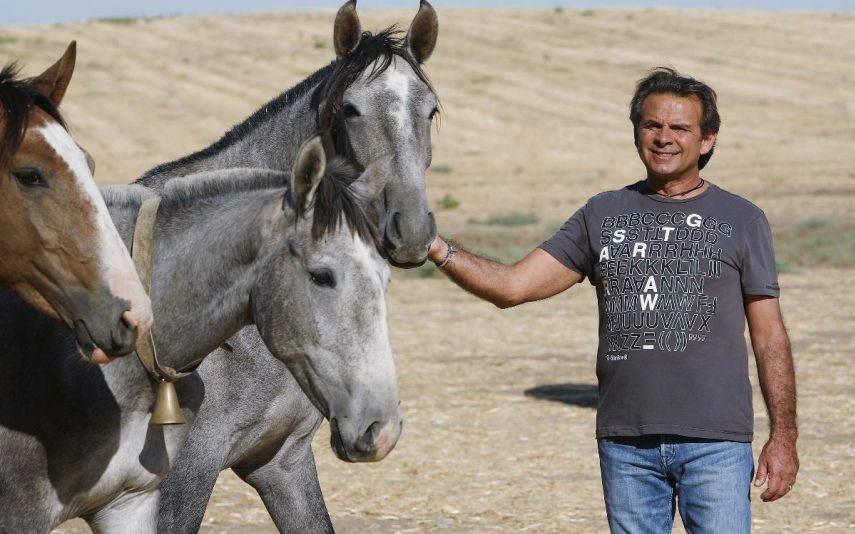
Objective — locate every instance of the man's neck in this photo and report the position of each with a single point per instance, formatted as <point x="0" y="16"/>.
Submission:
<point x="686" y="187"/>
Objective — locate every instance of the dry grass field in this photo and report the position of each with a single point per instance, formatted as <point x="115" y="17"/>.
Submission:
<point x="499" y="424"/>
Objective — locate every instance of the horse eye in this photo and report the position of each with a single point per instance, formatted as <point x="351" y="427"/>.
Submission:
<point x="350" y="111"/>
<point x="433" y="113"/>
<point x="322" y="277"/>
<point x="30" y="178"/>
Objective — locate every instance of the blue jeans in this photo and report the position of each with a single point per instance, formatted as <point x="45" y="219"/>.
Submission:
<point x="646" y="478"/>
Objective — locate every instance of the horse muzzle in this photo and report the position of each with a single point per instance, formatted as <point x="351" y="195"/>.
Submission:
<point x="99" y="344"/>
<point x="406" y="239"/>
<point x="370" y="445"/>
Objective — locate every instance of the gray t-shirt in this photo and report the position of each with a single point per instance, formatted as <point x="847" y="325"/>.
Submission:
<point x="670" y="278"/>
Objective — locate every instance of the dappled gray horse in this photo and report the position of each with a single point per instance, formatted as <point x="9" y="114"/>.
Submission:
<point x="384" y="106"/>
<point x="231" y="248"/>
<point x="373" y="101"/>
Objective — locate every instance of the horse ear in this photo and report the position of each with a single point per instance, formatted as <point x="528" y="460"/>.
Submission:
<point x="53" y="82"/>
<point x="347" y="31"/>
<point x="309" y="168"/>
<point x="421" y="37"/>
<point x="371" y="182"/>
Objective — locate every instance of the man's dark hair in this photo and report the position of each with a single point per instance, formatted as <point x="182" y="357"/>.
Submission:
<point x="667" y="80"/>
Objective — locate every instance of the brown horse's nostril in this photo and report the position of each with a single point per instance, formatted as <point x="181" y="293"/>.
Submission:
<point x="124" y="335"/>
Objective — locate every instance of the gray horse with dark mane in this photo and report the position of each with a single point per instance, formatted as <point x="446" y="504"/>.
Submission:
<point x="374" y="100"/>
<point x="292" y="254"/>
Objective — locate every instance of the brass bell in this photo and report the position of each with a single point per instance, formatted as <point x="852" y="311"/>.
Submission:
<point x="166" y="411"/>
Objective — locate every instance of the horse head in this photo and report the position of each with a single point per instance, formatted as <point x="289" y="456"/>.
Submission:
<point x="378" y="101"/>
<point x="59" y="249"/>
<point x="332" y="334"/>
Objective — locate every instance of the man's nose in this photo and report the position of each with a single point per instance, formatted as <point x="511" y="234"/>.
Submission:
<point x="663" y="136"/>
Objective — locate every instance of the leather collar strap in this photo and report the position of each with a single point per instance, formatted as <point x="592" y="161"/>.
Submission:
<point x="142" y="252"/>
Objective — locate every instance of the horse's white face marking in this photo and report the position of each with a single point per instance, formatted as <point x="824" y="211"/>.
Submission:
<point x="370" y="260"/>
<point x="398" y="83"/>
<point x="115" y="263"/>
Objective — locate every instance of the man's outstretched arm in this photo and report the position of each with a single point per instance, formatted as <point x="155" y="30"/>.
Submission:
<point x="779" y="460"/>
<point x="535" y="277"/>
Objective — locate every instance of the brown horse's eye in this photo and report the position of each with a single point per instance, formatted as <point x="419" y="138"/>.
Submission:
<point x="30" y="178"/>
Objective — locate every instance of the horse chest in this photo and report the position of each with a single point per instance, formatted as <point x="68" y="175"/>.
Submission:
<point x="138" y="465"/>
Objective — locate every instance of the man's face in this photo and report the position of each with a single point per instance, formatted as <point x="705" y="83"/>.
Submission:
<point x="669" y="137"/>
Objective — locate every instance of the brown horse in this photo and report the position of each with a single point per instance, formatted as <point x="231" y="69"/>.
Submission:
<point x="58" y="247"/>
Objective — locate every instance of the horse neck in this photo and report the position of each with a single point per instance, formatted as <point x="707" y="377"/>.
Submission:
<point x="268" y="141"/>
<point x="205" y="265"/>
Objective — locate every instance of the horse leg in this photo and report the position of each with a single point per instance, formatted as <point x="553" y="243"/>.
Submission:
<point x="130" y="513"/>
<point x="187" y="488"/>
<point x="288" y="486"/>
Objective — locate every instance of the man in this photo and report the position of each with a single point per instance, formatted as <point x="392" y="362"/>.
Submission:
<point x="679" y="265"/>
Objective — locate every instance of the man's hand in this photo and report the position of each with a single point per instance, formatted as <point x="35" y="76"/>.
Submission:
<point x="777" y="465"/>
<point x="437" y="250"/>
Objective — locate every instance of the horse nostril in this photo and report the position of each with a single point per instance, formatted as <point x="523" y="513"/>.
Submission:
<point x="365" y="444"/>
<point x="393" y="230"/>
<point x="125" y="333"/>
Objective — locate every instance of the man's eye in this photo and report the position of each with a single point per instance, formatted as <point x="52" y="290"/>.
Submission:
<point x="29" y="178"/>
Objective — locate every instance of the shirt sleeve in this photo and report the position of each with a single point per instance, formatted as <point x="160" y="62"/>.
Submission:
<point x="570" y="245"/>
<point x="759" y="275"/>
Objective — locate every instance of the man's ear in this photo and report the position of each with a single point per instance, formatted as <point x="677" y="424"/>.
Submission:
<point x="708" y="142"/>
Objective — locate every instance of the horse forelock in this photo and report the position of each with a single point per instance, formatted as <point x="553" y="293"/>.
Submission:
<point x="376" y="52"/>
<point x="17" y="99"/>
<point x="336" y="203"/>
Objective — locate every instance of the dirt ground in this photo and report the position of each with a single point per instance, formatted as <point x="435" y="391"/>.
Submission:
<point x="498" y="404"/>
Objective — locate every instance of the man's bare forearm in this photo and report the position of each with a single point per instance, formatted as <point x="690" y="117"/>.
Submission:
<point x="537" y="276"/>
<point x="777" y="381"/>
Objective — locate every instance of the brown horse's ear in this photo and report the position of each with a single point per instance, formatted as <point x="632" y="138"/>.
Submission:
<point x="53" y="82"/>
<point x="309" y="168"/>
<point x="347" y="31"/>
<point x="421" y="37"/>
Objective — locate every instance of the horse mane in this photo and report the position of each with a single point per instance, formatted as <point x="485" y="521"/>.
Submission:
<point x="125" y="196"/>
<point x="330" y="83"/>
<point x="17" y="98"/>
<point x="334" y="201"/>
<point x="191" y="189"/>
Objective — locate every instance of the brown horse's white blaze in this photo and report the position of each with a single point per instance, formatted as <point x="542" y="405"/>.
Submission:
<point x="106" y="261"/>
<point x="59" y="248"/>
